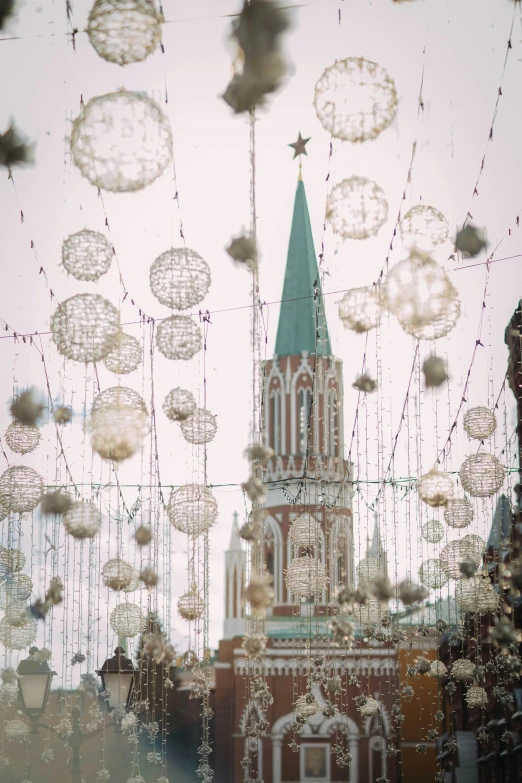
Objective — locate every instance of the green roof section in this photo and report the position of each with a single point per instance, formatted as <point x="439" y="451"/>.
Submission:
<point x="302" y="319"/>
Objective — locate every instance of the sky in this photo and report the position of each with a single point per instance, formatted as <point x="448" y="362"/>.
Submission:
<point x="456" y="51"/>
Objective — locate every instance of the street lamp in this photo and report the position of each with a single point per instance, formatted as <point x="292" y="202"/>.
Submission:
<point x="33" y="687"/>
<point x="117" y="674"/>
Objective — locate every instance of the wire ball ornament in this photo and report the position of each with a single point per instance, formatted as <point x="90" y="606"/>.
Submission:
<point x="306" y="577"/>
<point x="432" y="574"/>
<point x="82" y="520"/>
<point x="17" y="614"/>
<point x="191" y="605"/>
<point x="479" y="423"/>
<point x="369" y="708"/>
<point x="469" y="547"/>
<point x="15" y="587"/>
<point x="356" y="208"/>
<point x="355" y="99"/>
<point x="458" y="513"/>
<point x="423" y="227"/>
<point x="192" y="509"/>
<point x="482" y="475"/>
<point x="433" y="531"/>
<point x="16" y="730"/>
<point x="306" y="705"/>
<point x="84" y="326"/>
<point x="438" y="670"/>
<point x="179" y="338"/>
<point x="422" y="297"/>
<point x="476" y="697"/>
<point x="117" y="574"/>
<point x="463" y="670"/>
<point x="124" y="31"/>
<point x="118" y="431"/>
<point x="121" y="142"/>
<point x="14" y="638"/>
<point x="199" y="428"/>
<point x="371" y="613"/>
<point x="360" y="309"/>
<point x="367" y="570"/>
<point x="23" y="488"/>
<point x="179" y="404"/>
<point x="22" y="438"/>
<point x="476" y="595"/>
<point x="180" y="278"/>
<point x="119" y="396"/>
<point x="11" y="561"/>
<point x="127" y="620"/>
<point x="124" y="356"/>
<point x="87" y="255"/>
<point x="254" y="644"/>
<point x="304" y="531"/>
<point x="435" y="488"/>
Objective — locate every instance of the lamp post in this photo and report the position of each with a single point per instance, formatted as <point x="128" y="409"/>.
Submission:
<point x="33" y="687"/>
<point x="117" y="675"/>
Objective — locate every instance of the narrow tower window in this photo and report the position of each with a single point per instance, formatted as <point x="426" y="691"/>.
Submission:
<point x="275" y="421"/>
<point x="305" y="420"/>
<point x="333" y="424"/>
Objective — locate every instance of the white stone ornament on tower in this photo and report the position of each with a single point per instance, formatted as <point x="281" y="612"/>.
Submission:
<point x="180" y="278"/>
<point x="124" y="31"/>
<point x="179" y="337"/>
<point x="356" y="208"/>
<point x="87" y="255"/>
<point x="84" y="326"/>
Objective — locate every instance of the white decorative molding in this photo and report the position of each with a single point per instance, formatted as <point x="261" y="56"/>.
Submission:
<point x="290" y="666"/>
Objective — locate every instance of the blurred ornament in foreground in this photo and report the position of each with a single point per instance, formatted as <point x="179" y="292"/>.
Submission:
<point x="470" y="241"/>
<point x="365" y="383"/>
<point x="118" y="431"/>
<point x="82" y="520"/>
<point x="14" y="149"/>
<point x="435" y="488"/>
<point x="124" y="31"/>
<point x="242" y="250"/>
<point x="27" y="407"/>
<point x="435" y="372"/>
<point x="360" y="309"/>
<point x="423" y="227"/>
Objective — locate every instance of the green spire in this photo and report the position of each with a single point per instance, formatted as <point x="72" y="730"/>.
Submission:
<point x="301" y="317"/>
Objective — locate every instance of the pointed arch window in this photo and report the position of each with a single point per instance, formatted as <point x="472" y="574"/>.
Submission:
<point x="275" y="421"/>
<point x="305" y="419"/>
<point x="333" y="424"/>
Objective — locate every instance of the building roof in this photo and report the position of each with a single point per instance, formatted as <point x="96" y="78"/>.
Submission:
<point x="302" y="320"/>
<point x="501" y="524"/>
<point x="375" y="548"/>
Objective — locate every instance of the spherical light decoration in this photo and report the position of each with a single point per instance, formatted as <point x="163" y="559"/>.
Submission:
<point x="306" y="577"/>
<point x="87" y="255"/>
<point x="307" y="705"/>
<point x="8" y="694"/>
<point x="121" y="141"/>
<point x="11" y="561"/>
<point x="422" y="297"/>
<point x="127" y="620"/>
<point x="482" y="475"/>
<point x="470" y="547"/>
<point x="254" y="644"/>
<point x="476" y="595"/>
<point x="178" y="337"/>
<point x="22" y="438"/>
<point x="22" y="487"/>
<point x="433" y="531"/>
<point x="5" y="506"/>
<point x="192" y="509"/>
<point x="84" y="326"/>
<point x="124" y="31"/>
<point x="15" y="587"/>
<point x="355" y="99"/>
<point x="191" y="605"/>
<point x="360" y="309"/>
<point x="82" y="520"/>
<point x="458" y="513"/>
<point x="199" y="428"/>
<point x="304" y="531"/>
<point x="480" y="423"/>
<point x="438" y="670"/>
<point x="17" y="638"/>
<point x="435" y="488"/>
<point x="432" y="575"/>
<point x="125" y="355"/>
<point x="369" y="708"/>
<point x="367" y="570"/>
<point x="476" y="697"/>
<point x="17" y="614"/>
<point x="119" y="396"/>
<point x="423" y="227"/>
<point x="372" y="612"/>
<point x="356" y="208"/>
<point x="180" y="278"/>
<point x="179" y="404"/>
<point x="118" y="431"/>
<point x="118" y="574"/>
<point x="16" y="730"/>
<point x="463" y="670"/>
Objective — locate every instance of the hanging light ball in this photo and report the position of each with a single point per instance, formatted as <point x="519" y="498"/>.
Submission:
<point x="15" y="587"/>
<point x="306" y="705"/>
<point x="480" y="423"/>
<point x="179" y="404"/>
<point x="127" y="620"/>
<point x="476" y="595"/>
<point x="124" y="31"/>
<point x="191" y="605"/>
<point x="180" y="278"/>
<point x="254" y="644"/>
<point x="369" y="708"/>
<point x="82" y="520"/>
<point x="121" y="141"/>
<point x="22" y="438"/>
<point x="14" y="638"/>
<point x="87" y="255"/>
<point x="476" y="697"/>
<point x="118" y="431"/>
<point x="84" y="326"/>
<point x="22" y="487"/>
<point x="11" y="561"/>
<point x="435" y="488"/>
<point x="200" y="427"/>
<point x="306" y="577"/>
<point x="423" y="227"/>
<point x="16" y="730"/>
<point x="125" y="355"/>
<point x="356" y="208"/>
<point x="367" y="570"/>
<point x="143" y="535"/>
<point x="433" y="531"/>
<point x="482" y="475"/>
<point x="355" y="99"/>
<point x="438" y="670"/>
<point x="422" y="297"/>
<point x="432" y="575"/>
<point x="469" y="547"/>
<point x="372" y="612"/>
<point x="435" y="371"/>
<point x="5" y="506"/>
<point x="304" y="531"/>
<point x="8" y="694"/>
<point x="178" y="337"/>
<point x="463" y="670"/>
<point x="119" y="396"/>
<point x="458" y="513"/>
<point x="118" y="574"/>
<point x="192" y="509"/>
<point x="360" y="309"/>
<point x="17" y="614"/>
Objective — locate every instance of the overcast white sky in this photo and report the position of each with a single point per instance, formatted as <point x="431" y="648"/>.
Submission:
<point x="461" y="47"/>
